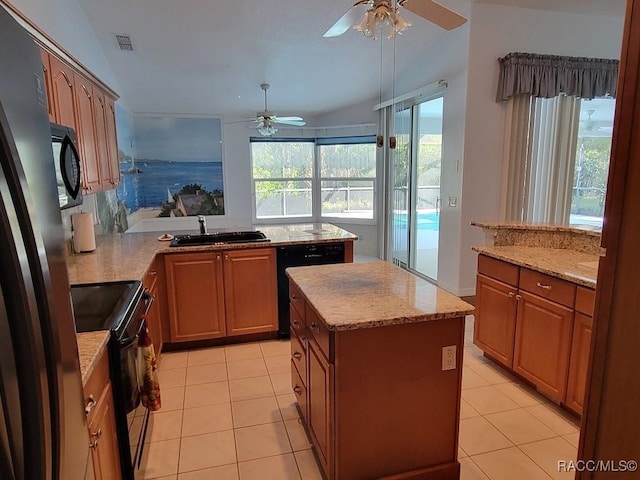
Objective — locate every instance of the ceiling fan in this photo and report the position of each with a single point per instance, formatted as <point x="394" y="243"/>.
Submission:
<point x="365" y="14"/>
<point x="266" y="120"/>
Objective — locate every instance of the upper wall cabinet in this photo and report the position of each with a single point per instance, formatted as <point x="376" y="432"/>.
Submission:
<point x="77" y="102"/>
<point x="62" y="93"/>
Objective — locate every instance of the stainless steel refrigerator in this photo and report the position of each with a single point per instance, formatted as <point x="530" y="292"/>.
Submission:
<point x="43" y="432"/>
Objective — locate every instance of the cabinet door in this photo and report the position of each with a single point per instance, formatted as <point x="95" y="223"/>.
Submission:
<point x="543" y="343"/>
<point x="46" y="71"/>
<point x="112" y="143"/>
<point x="580" y="348"/>
<point x="195" y="296"/>
<point x="320" y="406"/>
<point x="250" y="291"/>
<point x="495" y="322"/>
<point x="100" y="112"/>
<point x="103" y="438"/>
<point x="87" y="134"/>
<point x="63" y="93"/>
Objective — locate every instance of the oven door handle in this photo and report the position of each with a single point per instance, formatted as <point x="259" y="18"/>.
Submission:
<point x="124" y="343"/>
<point x="149" y="298"/>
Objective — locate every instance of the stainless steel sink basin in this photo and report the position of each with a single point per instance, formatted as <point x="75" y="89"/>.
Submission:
<point x="218" y="238"/>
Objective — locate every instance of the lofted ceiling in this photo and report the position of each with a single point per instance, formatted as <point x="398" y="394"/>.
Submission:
<point x="210" y="56"/>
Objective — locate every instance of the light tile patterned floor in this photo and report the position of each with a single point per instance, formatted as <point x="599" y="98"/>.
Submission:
<point x="228" y="413"/>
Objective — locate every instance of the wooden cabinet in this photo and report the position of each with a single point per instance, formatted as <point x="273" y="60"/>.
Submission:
<point x="580" y="348"/>
<point x="154" y="324"/>
<point x="250" y="291"/>
<point x="63" y="92"/>
<point x="112" y="142"/>
<point x="224" y="293"/>
<point x="77" y="102"/>
<point x="543" y="344"/>
<point x="103" y="439"/>
<point x="99" y="110"/>
<point x="46" y="71"/>
<point x="195" y="296"/>
<point x="87" y="134"/>
<point x="320" y="398"/>
<point x="495" y="319"/>
<point x="537" y="325"/>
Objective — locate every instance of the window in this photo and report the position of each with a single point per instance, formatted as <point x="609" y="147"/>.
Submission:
<point x="558" y="150"/>
<point x="318" y="178"/>
<point x="347" y="179"/>
<point x="592" y="161"/>
<point x="282" y="178"/>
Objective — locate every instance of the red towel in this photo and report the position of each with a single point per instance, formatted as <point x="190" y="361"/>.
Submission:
<point x="148" y="380"/>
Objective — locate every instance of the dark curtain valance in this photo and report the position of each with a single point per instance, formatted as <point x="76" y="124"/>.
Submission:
<point x="550" y="75"/>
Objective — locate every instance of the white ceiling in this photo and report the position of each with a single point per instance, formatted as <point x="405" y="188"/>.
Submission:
<point x="210" y="56"/>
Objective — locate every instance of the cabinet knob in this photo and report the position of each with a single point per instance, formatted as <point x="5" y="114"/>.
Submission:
<point x="93" y="445"/>
<point x="90" y="404"/>
<point x="153" y="273"/>
<point x="544" y="287"/>
<point x="511" y="294"/>
<point x="296" y="324"/>
<point x="97" y="434"/>
<point x="218" y="257"/>
<point x="226" y="257"/>
<point x="518" y="297"/>
<point x="297" y="355"/>
<point x="297" y="389"/>
<point x="314" y="328"/>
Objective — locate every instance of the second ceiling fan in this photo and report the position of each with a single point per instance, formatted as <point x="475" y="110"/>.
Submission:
<point x="266" y="121"/>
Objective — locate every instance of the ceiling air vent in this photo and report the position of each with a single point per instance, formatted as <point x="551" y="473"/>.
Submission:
<point x="124" y="42"/>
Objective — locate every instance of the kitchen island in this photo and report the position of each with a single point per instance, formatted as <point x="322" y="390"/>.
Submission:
<point x="376" y="356"/>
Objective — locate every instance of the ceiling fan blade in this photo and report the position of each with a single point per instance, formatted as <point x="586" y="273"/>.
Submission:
<point x="349" y="19"/>
<point x="281" y="119"/>
<point x="435" y="13"/>
<point x="290" y="121"/>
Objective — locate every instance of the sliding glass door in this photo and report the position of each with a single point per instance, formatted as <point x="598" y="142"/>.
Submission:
<point x="416" y="199"/>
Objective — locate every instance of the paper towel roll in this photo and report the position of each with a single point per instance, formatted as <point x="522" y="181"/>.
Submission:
<point x="84" y="238"/>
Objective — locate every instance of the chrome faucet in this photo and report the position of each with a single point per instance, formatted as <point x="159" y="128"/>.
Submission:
<point x="203" y="224"/>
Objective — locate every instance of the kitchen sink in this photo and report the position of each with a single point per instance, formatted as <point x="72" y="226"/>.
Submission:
<point x="218" y="238"/>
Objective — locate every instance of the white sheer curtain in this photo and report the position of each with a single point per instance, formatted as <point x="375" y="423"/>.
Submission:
<point x="553" y="139"/>
<point x="539" y="156"/>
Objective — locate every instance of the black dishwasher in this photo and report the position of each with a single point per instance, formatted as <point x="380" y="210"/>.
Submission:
<point x="297" y="256"/>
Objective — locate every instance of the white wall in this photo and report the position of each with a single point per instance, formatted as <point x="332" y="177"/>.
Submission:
<point x="494" y="32"/>
<point x="67" y="24"/>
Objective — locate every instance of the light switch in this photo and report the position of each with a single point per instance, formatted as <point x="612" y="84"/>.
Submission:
<point x="453" y="201"/>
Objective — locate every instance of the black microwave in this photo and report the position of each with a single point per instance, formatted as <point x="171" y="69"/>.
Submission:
<point x="66" y="162"/>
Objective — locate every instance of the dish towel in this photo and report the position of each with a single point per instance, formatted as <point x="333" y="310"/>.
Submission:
<point x="148" y="380"/>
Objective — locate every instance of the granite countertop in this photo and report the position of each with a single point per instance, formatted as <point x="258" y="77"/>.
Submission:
<point x="91" y="346"/>
<point x="588" y="230"/>
<point x="126" y="256"/>
<point x="351" y="296"/>
<point x="577" y="267"/>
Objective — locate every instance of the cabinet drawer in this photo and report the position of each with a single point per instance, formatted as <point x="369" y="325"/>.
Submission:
<point x="299" y="390"/>
<point x="296" y="299"/>
<point x="503" y="271"/>
<point x="95" y="385"/>
<point x="548" y="287"/>
<point x="299" y="355"/>
<point x="318" y="331"/>
<point x="585" y="300"/>
<point x="297" y="322"/>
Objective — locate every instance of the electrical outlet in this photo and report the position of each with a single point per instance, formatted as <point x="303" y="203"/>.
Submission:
<point x="449" y="358"/>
